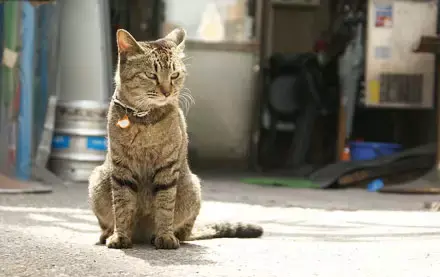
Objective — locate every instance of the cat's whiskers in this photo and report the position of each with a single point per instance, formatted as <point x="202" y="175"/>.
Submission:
<point x="144" y="102"/>
<point x="151" y="95"/>
<point x="186" y="58"/>
<point x="186" y="92"/>
<point x="187" y="99"/>
<point x="184" y="104"/>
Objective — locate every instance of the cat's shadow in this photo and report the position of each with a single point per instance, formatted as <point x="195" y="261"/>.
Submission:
<point x="187" y="254"/>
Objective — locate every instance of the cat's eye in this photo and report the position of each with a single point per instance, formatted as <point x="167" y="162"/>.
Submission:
<point x="150" y="76"/>
<point x="175" y="75"/>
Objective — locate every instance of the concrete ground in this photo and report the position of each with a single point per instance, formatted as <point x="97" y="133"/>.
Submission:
<point x="308" y="233"/>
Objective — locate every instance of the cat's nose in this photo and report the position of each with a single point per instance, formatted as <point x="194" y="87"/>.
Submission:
<point x="165" y="90"/>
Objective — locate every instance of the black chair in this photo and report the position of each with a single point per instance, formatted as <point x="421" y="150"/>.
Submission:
<point x="293" y="84"/>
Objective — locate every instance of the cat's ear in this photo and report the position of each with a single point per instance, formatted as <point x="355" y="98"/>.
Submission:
<point x="126" y="42"/>
<point x="177" y="36"/>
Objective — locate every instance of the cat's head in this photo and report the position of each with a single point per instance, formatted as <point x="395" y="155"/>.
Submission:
<point x="150" y="73"/>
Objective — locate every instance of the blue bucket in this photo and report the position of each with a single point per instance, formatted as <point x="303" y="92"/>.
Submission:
<point x="362" y="150"/>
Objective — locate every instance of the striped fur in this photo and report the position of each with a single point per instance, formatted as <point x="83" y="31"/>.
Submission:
<point x="145" y="188"/>
<point x="226" y="230"/>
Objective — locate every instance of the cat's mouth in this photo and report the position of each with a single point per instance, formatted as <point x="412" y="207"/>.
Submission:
<point x="161" y="101"/>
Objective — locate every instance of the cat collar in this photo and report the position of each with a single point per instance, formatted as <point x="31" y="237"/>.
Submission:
<point x="134" y="111"/>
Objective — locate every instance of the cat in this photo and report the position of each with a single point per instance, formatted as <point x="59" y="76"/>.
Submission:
<point x="145" y="191"/>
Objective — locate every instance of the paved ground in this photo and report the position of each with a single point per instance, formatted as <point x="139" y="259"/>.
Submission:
<point x="308" y="233"/>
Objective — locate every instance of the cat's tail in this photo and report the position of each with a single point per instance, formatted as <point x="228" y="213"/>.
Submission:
<point x="226" y="230"/>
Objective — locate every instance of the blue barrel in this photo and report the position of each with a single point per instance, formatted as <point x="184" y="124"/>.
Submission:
<point x="362" y="150"/>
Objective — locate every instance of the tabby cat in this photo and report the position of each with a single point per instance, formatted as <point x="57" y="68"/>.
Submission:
<point x="145" y="190"/>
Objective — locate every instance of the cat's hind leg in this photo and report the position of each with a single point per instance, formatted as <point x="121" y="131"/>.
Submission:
<point x="184" y="232"/>
<point x="105" y="232"/>
<point x="188" y="204"/>
<point x="100" y="198"/>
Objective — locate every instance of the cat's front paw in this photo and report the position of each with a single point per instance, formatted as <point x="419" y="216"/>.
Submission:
<point x="104" y="235"/>
<point x="166" y="241"/>
<point x="118" y="241"/>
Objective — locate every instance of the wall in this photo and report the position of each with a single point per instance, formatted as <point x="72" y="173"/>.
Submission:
<point x="221" y="82"/>
<point x="220" y="121"/>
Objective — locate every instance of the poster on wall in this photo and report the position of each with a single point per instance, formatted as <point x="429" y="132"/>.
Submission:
<point x="383" y="15"/>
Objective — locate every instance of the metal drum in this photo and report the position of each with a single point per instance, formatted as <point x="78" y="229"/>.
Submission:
<point x="79" y="142"/>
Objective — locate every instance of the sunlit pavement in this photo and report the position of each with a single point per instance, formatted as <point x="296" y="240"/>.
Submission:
<point x="55" y="235"/>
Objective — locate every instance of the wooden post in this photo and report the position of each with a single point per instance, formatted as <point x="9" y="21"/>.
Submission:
<point x="340" y="142"/>
<point x="437" y="124"/>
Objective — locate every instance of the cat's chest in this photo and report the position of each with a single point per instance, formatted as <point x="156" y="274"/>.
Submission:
<point x="145" y="142"/>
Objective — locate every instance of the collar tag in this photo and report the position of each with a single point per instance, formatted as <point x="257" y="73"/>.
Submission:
<point x="123" y="123"/>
